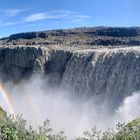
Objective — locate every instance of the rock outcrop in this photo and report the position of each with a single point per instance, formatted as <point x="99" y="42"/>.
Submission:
<point x="107" y="36"/>
<point x="19" y="62"/>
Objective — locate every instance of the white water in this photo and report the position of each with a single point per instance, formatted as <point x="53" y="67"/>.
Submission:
<point x="38" y="102"/>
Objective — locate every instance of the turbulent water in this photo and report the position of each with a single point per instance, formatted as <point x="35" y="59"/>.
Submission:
<point x="76" y="86"/>
<point x="113" y="73"/>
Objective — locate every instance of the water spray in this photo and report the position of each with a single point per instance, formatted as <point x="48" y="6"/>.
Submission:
<point x="7" y="98"/>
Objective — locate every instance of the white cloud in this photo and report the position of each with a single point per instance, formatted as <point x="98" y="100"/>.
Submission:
<point x="47" y="15"/>
<point x="7" y="24"/>
<point x="65" y="15"/>
<point x="56" y="14"/>
<point x="13" y="12"/>
<point x="78" y="18"/>
<point x="35" y="17"/>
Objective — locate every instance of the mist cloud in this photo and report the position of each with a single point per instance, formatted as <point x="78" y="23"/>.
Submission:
<point x="39" y="101"/>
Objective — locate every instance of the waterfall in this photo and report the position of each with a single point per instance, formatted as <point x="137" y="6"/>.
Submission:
<point x="112" y="74"/>
<point x="108" y="73"/>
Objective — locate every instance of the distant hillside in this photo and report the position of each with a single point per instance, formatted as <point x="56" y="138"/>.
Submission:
<point x="105" y="36"/>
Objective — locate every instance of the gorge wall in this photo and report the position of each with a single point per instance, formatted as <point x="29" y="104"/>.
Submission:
<point x="108" y="73"/>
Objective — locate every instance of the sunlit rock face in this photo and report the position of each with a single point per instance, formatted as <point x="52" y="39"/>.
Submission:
<point x="109" y="73"/>
<point x="79" y="36"/>
<point x="20" y="62"/>
<point x="17" y="63"/>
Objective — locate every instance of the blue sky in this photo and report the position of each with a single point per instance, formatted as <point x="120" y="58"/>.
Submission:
<point x="35" y="15"/>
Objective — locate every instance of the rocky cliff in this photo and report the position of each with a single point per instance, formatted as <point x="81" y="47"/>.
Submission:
<point x="19" y="62"/>
<point x="110" y="73"/>
<point x="23" y="62"/>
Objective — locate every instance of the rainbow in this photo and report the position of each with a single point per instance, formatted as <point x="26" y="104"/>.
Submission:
<point x="7" y="99"/>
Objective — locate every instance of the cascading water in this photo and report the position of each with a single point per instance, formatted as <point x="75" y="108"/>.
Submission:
<point x="111" y="73"/>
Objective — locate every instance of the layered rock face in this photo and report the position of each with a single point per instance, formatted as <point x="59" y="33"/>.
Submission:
<point x="109" y="73"/>
<point x="19" y="62"/>
<point x="79" y="36"/>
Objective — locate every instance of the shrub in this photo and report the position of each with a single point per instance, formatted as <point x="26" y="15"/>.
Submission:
<point x="15" y="128"/>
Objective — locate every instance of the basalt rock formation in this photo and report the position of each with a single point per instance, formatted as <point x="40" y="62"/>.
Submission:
<point x="79" y="36"/>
